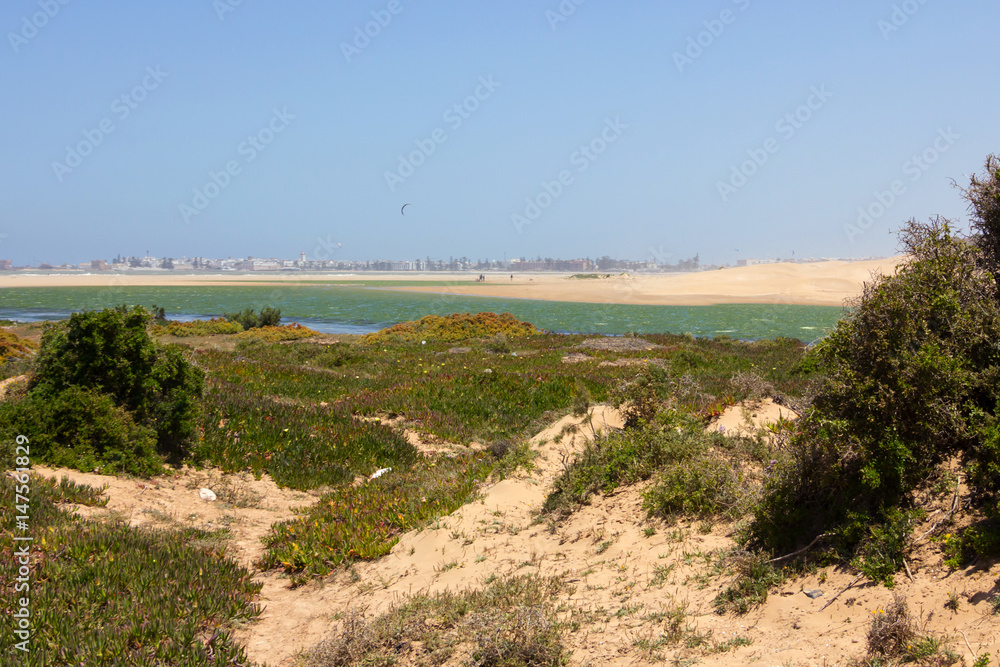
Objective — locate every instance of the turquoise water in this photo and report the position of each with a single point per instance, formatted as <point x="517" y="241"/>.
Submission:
<point x="344" y="309"/>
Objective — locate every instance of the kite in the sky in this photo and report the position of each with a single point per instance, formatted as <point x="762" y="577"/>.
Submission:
<point x="404" y="206"/>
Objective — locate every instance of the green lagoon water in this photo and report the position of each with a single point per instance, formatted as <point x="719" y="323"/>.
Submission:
<point x="359" y="309"/>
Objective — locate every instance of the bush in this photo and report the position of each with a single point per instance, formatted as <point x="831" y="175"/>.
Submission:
<point x="110" y="352"/>
<point x="914" y="373"/>
<point x="983" y="195"/>
<point x="498" y="344"/>
<point x="883" y="548"/>
<point x="249" y="319"/>
<point x="704" y="487"/>
<point x="621" y="459"/>
<point x="750" y="386"/>
<point x="639" y="399"/>
<point x="83" y="429"/>
<point x="915" y="361"/>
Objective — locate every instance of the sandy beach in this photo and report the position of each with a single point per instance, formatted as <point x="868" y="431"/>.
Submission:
<point x="817" y="283"/>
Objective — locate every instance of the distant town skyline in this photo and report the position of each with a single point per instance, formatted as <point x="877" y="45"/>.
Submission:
<point x="453" y="264"/>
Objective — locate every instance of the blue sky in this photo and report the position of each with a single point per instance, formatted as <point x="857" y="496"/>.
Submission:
<point x="730" y="128"/>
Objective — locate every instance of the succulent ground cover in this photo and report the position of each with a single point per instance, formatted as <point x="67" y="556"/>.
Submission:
<point x="308" y="414"/>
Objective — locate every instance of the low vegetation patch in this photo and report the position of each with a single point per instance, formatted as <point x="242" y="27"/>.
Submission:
<point x="513" y="621"/>
<point x="213" y="327"/>
<point x="364" y="521"/>
<point x="451" y="328"/>
<point x="302" y="445"/>
<point x="275" y="334"/>
<point x="13" y="346"/>
<point x="106" y="594"/>
<point x="621" y="459"/>
<point x="755" y="576"/>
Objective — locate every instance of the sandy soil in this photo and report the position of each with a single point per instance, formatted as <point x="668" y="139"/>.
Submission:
<point x="622" y="565"/>
<point x="819" y="283"/>
<point x="245" y="505"/>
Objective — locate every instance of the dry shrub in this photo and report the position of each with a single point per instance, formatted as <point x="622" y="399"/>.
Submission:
<point x="892" y="630"/>
<point x="750" y="386"/>
<point x="521" y="636"/>
<point x="359" y="641"/>
<point x="510" y="623"/>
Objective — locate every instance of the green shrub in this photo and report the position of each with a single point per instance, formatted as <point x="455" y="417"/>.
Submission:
<point x="83" y="429"/>
<point x="640" y="398"/>
<point x="984" y="462"/>
<point x="884" y="546"/>
<point x="110" y="352"/>
<point x="755" y="577"/>
<point x="249" y="319"/>
<point x="913" y="378"/>
<point x="915" y="361"/>
<point x="620" y="459"/>
<point x="971" y="543"/>
<point x="983" y="195"/>
<point x="498" y="344"/>
<point x="703" y="487"/>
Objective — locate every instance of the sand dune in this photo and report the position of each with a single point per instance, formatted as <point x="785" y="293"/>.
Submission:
<point x="818" y="283"/>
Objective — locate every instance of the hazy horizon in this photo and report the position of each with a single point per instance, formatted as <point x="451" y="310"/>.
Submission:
<point x="731" y="130"/>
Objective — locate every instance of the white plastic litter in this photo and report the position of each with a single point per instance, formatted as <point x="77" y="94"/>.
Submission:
<point x="206" y="494"/>
<point x="378" y="473"/>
